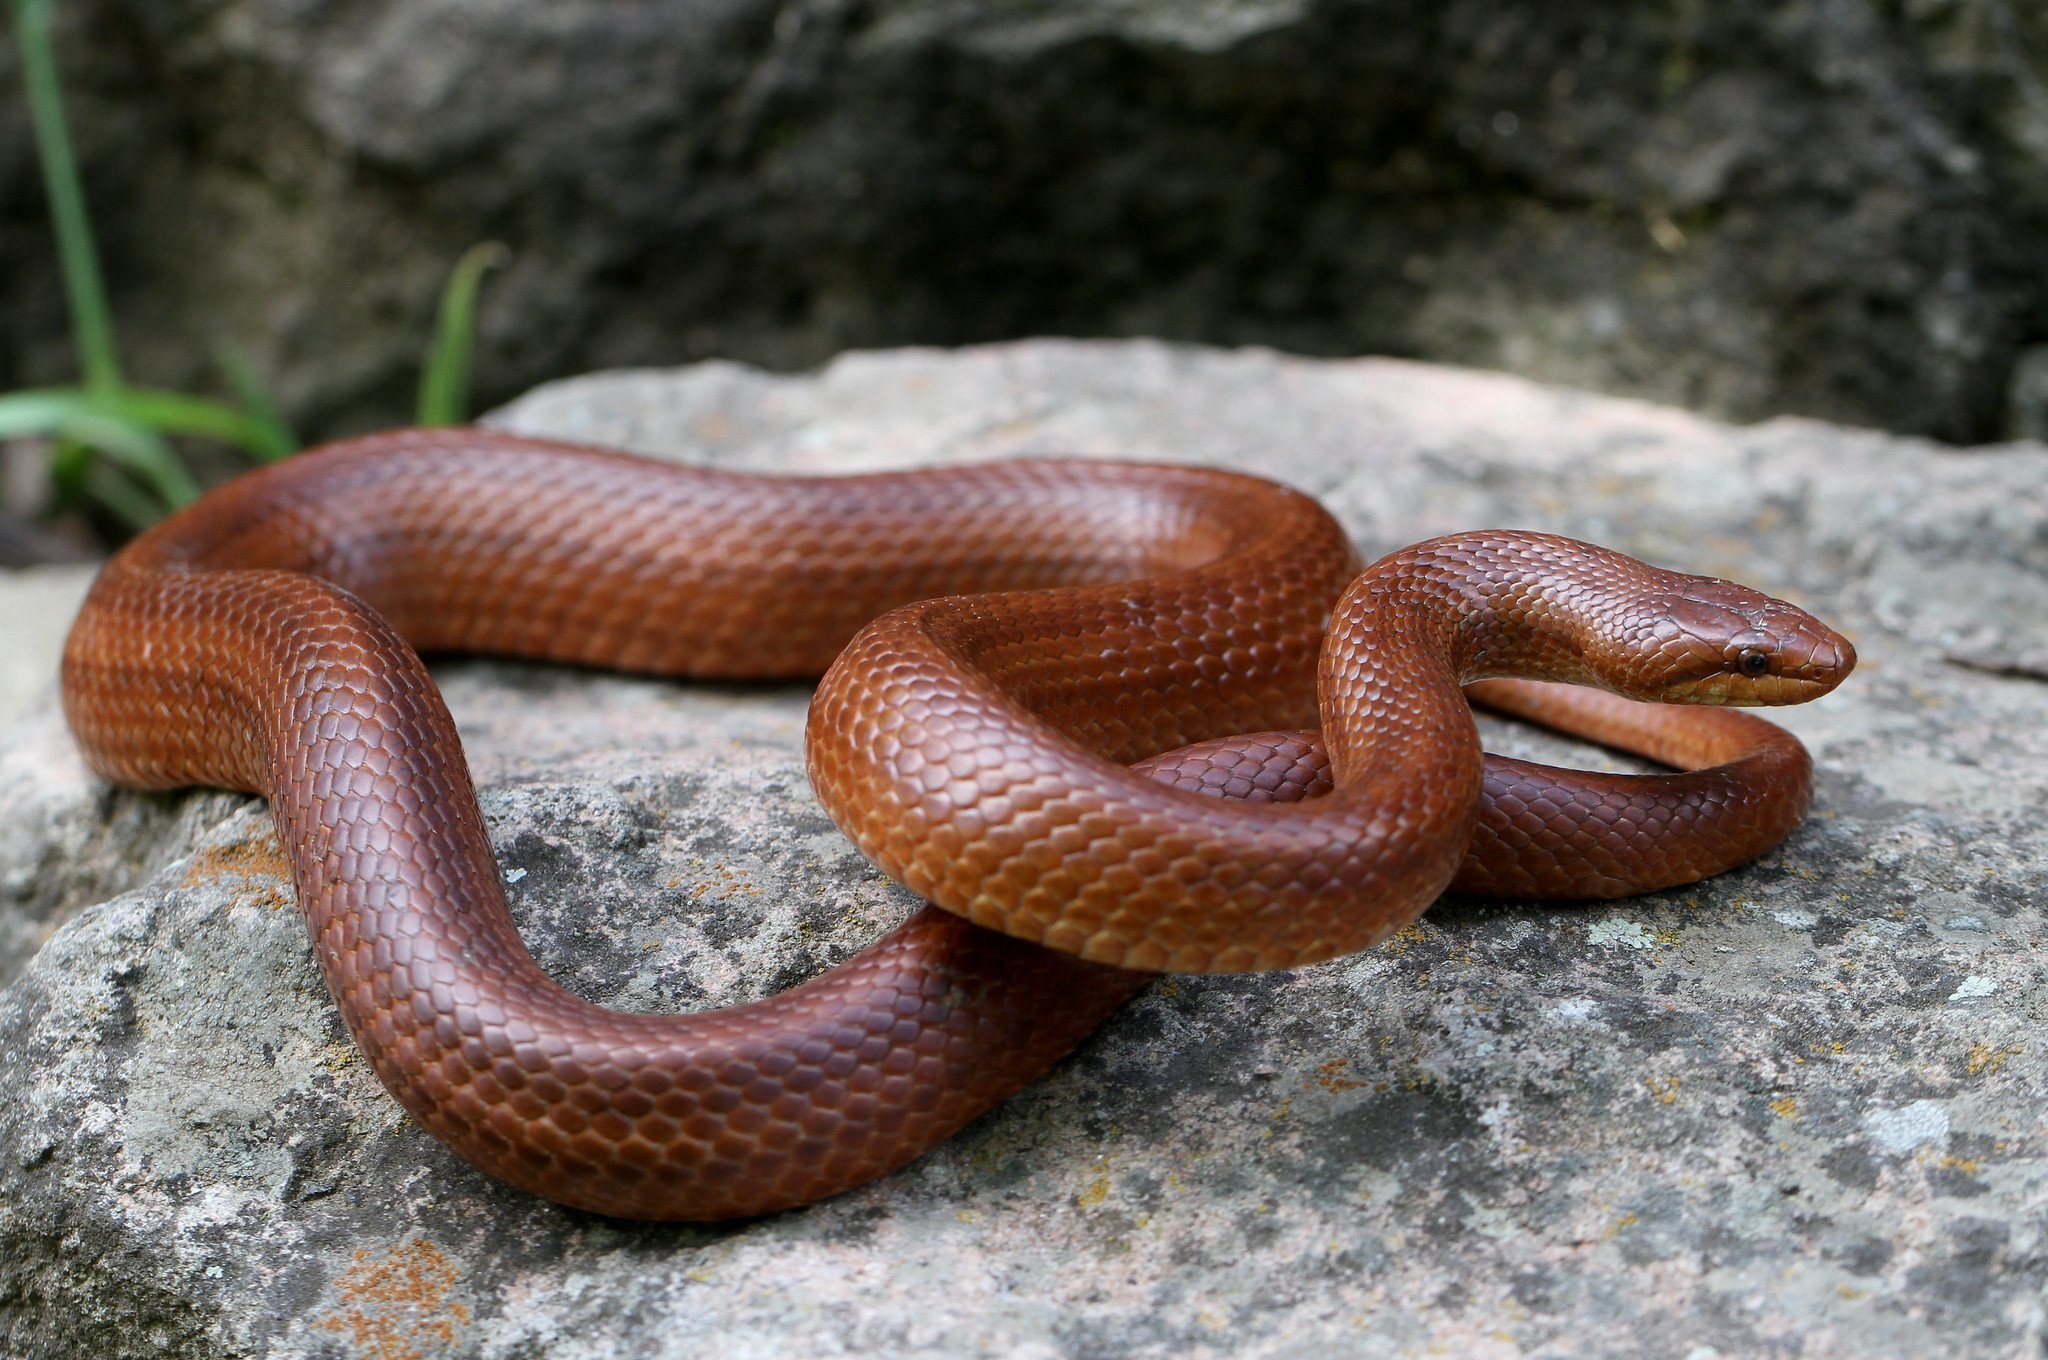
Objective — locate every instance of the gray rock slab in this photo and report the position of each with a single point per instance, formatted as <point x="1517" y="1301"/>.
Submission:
<point x="1746" y="206"/>
<point x="1794" y="1111"/>
<point x="36" y="605"/>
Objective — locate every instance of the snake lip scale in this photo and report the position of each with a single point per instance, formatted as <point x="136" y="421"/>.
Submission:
<point x="1039" y="678"/>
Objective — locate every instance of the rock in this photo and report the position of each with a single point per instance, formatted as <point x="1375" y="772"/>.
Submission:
<point x="1796" y="1110"/>
<point x="38" y="604"/>
<point x="65" y="839"/>
<point x="24" y="497"/>
<point x="1747" y="207"/>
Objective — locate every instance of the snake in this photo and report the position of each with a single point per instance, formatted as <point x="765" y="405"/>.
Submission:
<point x="1108" y="719"/>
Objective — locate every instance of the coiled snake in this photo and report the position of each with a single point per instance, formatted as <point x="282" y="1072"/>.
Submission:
<point x="1020" y="634"/>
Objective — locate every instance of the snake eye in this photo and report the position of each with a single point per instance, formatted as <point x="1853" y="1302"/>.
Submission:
<point x="1752" y="661"/>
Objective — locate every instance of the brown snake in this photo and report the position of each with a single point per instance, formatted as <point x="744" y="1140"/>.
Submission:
<point x="266" y="638"/>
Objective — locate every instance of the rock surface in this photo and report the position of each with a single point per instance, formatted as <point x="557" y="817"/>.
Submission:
<point x="1832" y="207"/>
<point x="40" y="603"/>
<point x="1795" y="1111"/>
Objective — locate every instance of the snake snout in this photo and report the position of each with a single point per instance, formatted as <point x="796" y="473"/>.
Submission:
<point x="1812" y="657"/>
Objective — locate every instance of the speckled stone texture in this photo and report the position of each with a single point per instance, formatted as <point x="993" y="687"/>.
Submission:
<point x="1796" y="1111"/>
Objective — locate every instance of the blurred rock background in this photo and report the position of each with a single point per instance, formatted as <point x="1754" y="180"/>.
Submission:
<point x="1836" y="208"/>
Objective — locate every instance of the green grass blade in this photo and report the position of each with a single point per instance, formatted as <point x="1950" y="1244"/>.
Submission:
<point x="77" y="477"/>
<point x="137" y="448"/>
<point x="92" y="325"/>
<point x="444" y="386"/>
<point x="278" y="440"/>
<point x="69" y="463"/>
<point x="176" y="413"/>
<point x="125" y="425"/>
<point x="129" y="502"/>
<point x="42" y="410"/>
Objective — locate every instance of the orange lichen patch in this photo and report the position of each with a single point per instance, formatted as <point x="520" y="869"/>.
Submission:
<point x="1330" y="1076"/>
<point x="1664" y="1088"/>
<point x="398" y="1305"/>
<point x="259" y="862"/>
<point x="717" y="880"/>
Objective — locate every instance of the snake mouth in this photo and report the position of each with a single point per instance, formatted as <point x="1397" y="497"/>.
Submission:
<point x="1741" y="691"/>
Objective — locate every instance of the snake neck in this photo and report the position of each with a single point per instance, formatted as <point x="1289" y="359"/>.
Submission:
<point x="1422" y="622"/>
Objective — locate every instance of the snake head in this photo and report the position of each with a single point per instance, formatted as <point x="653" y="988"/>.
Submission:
<point x="1724" y="644"/>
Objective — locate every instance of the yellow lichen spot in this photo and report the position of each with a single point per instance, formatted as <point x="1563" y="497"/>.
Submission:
<point x="1850" y="1291"/>
<point x="1619" y="1226"/>
<point x="1664" y="1088"/>
<point x="397" y="1305"/>
<point x="968" y="1215"/>
<point x="339" y="1058"/>
<point x="1664" y="937"/>
<point x="1097" y="1191"/>
<point x="1403" y="940"/>
<point x="1984" y="1059"/>
<point x="1969" y="1166"/>
<point x="1788" y="1108"/>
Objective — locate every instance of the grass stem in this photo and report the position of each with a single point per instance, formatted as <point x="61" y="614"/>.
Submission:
<point x="92" y="324"/>
<point x="444" y="385"/>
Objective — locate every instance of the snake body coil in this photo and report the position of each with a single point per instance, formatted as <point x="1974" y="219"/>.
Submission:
<point x="976" y="746"/>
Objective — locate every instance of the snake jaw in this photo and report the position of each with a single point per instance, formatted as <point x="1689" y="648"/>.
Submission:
<point x="1742" y="691"/>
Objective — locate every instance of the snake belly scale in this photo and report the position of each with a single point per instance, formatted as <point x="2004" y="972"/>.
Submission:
<point x="1000" y="643"/>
